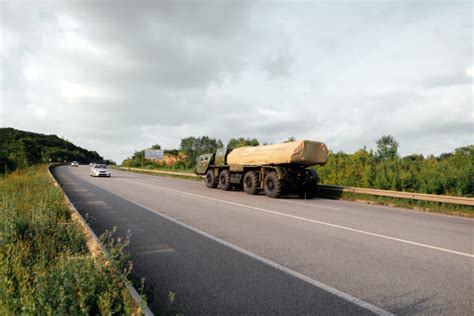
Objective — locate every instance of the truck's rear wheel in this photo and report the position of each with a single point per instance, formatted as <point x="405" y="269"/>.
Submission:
<point x="251" y="182"/>
<point x="272" y="185"/>
<point x="224" y="180"/>
<point x="211" y="181"/>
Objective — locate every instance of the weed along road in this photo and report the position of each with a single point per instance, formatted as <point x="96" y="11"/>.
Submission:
<point x="232" y="253"/>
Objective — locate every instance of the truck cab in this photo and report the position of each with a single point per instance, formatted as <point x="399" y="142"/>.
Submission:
<point x="203" y="163"/>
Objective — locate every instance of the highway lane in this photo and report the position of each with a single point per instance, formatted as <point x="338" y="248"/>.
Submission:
<point x="401" y="261"/>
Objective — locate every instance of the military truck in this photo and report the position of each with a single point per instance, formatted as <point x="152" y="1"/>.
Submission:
<point x="276" y="169"/>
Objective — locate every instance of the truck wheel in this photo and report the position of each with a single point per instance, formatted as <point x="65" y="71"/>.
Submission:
<point x="251" y="182"/>
<point x="224" y="180"/>
<point x="211" y="181"/>
<point x="272" y="185"/>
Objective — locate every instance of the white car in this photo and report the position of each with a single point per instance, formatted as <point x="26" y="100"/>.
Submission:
<point x="100" y="171"/>
<point x="74" y="164"/>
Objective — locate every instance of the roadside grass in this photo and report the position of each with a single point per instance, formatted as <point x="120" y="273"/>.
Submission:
<point x="424" y="206"/>
<point x="45" y="267"/>
<point x="417" y="205"/>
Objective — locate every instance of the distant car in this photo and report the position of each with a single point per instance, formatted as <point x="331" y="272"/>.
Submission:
<point x="98" y="170"/>
<point x="74" y="164"/>
<point x="92" y="164"/>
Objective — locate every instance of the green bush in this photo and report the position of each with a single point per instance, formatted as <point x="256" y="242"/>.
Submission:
<point x="448" y="174"/>
<point x="45" y="267"/>
<point x="20" y="149"/>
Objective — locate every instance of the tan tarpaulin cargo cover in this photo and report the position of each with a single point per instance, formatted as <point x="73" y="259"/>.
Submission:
<point x="304" y="152"/>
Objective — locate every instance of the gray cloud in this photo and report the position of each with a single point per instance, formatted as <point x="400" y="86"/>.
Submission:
<point x="279" y="65"/>
<point x="117" y="78"/>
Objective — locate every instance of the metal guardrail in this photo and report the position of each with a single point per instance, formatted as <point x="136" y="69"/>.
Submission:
<point x="387" y="193"/>
<point x="403" y="195"/>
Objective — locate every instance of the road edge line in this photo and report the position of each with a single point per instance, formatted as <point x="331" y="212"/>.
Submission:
<point x="427" y="212"/>
<point x="414" y="243"/>
<point x="94" y="245"/>
<point x="325" y="287"/>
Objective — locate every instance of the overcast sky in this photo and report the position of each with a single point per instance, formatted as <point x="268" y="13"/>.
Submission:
<point x="118" y="76"/>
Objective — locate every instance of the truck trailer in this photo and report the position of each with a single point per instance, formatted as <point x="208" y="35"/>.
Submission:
<point x="276" y="169"/>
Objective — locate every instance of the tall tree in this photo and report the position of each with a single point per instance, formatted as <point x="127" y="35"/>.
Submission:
<point x="195" y="146"/>
<point x="387" y="147"/>
<point x="241" y="142"/>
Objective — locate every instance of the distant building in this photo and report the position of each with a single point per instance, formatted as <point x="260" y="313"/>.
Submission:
<point x="154" y="154"/>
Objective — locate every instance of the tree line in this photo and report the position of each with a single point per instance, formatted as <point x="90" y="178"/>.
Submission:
<point x="191" y="147"/>
<point x="20" y="149"/>
<point x="449" y="173"/>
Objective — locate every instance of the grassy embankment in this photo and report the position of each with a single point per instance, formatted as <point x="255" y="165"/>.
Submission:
<point x="45" y="267"/>
<point x="445" y="208"/>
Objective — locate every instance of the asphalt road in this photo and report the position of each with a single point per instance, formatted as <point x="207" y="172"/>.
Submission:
<point x="231" y="253"/>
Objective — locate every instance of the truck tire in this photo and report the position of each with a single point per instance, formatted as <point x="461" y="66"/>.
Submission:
<point x="224" y="180"/>
<point x="272" y="185"/>
<point x="210" y="179"/>
<point x="251" y="183"/>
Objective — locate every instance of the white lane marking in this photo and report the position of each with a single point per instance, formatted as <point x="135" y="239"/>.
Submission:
<point x="288" y="201"/>
<point x="313" y="221"/>
<point x="157" y="251"/>
<point x="78" y="190"/>
<point x="382" y="207"/>
<point x="404" y="210"/>
<point x="376" y="310"/>
<point x="313" y="205"/>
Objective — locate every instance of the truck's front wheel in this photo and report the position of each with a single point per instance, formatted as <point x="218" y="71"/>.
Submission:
<point x="251" y="182"/>
<point x="224" y="180"/>
<point x="211" y="181"/>
<point x="272" y="185"/>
